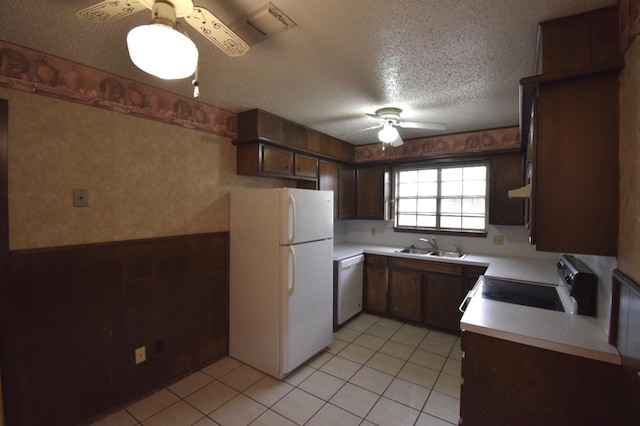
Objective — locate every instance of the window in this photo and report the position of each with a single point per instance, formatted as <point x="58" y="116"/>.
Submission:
<point x="448" y="198"/>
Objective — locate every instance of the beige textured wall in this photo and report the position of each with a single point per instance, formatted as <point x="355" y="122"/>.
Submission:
<point x="145" y="178"/>
<point x="629" y="233"/>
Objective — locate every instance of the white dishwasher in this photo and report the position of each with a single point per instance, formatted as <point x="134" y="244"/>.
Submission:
<point x="350" y="273"/>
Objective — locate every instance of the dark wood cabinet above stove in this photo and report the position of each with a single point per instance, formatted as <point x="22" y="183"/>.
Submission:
<point x="574" y="199"/>
<point x="573" y="135"/>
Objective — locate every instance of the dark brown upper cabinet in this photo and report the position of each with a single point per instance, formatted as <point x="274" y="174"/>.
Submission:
<point x="507" y="173"/>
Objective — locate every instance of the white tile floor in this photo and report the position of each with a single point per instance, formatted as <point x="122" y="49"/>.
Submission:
<point x="376" y="372"/>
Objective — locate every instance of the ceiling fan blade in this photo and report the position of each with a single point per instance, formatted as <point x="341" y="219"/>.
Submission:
<point x="376" y="116"/>
<point x="363" y="130"/>
<point x="109" y="10"/>
<point x="416" y="125"/>
<point x="207" y="24"/>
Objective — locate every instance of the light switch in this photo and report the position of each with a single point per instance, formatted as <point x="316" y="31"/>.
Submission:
<point x="80" y="198"/>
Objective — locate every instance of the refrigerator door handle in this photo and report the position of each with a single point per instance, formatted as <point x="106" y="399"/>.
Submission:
<point x="292" y="221"/>
<point x="292" y="258"/>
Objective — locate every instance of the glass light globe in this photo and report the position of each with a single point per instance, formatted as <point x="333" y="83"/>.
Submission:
<point x="388" y="133"/>
<point x="162" y="51"/>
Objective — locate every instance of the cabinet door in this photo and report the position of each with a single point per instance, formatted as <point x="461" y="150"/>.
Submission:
<point x="580" y="40"/>
<point x="575" y="166"/>
<point x="507" y="172"/>
<point x="508" y="383"/>
<point x="377" y="286"/>
<point x="260" y="125"/>
<point x="277" y="161"/>
<point x="405" y="295"/>
<point x="443" y="297"/>
<point x="347" y="203"/>
<point x="372" y="192"/>
<point x="328" y="180"/>
<point x="306" y="166"/>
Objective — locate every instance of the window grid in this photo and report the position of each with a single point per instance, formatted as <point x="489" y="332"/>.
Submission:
<point x="442" y="198"/>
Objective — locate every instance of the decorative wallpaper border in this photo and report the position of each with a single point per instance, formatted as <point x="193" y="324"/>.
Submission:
<point x="36" y="72"/>
<point x="503" y="139"/>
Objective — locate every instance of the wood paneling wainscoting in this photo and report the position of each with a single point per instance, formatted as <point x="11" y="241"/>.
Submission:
<point x="72" y="318"/>
<point x="624" y="334"/>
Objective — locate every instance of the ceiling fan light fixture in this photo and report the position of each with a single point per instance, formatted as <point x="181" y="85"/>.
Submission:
<point x="388" y="133"/>
<point x="160" y="49"/>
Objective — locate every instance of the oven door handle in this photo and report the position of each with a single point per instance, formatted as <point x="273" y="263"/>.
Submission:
<point x="465" y="301"/>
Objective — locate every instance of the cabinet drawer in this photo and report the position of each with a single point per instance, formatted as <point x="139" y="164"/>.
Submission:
<point x="277" y="161"/>
<point x="306" y="166"/>
<point x="425" y="265"/>
<point x="374" y="259"/>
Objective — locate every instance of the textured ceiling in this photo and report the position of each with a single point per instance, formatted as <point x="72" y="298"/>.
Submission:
<point x="456" y="62"/>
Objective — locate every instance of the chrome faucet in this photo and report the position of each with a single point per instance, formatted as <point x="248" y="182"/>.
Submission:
<point x="434" y="244"/>
<point x="458" y="249"/>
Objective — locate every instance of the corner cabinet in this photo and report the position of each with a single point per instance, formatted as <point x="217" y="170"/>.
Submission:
<point x="373" y="193"/>
<point x="329" y="180"/>
<point x="508" y="383"/>
<point x="341" y="179"/>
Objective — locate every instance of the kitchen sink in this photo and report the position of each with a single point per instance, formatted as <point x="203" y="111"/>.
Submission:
<point x="447" y="253"/>
<point x="414" y="250"/>
<point x="427" y="252"/>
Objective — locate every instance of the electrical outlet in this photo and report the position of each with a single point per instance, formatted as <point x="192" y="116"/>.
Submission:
<point x="141" y="354"/>
<point x="80" y="197"/>
<point x="498" y="239"/>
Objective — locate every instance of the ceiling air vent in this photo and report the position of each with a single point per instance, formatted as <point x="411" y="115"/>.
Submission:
<point x="262" y="23"/>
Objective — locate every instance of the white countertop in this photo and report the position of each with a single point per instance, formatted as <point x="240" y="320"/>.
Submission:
<point x="579" y="335"/>
<point x="559" y="331"/>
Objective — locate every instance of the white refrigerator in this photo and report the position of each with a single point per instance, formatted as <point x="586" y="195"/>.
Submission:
<point x="281" y="277"/>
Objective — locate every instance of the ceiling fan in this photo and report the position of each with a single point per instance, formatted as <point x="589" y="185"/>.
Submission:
<point x="162" y="47"/>
<point x="389" y="122"/>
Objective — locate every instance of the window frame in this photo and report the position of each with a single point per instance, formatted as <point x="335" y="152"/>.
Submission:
<point x="439" y="166"/>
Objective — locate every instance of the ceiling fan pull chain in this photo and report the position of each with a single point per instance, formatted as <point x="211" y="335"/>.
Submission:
<point x="196" y="84"/>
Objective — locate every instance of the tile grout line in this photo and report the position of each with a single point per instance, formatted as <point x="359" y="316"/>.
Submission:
<point x="405" y="362"/>
<point x="352" y="335"/>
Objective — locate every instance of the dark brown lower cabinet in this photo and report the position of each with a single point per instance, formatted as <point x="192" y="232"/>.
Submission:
<point x="508" y="383"/>
<point x="376" y="288"/>
<point x="441" y="301"/>
<point x="405" y="295"/>
<point x="418" y="290"/>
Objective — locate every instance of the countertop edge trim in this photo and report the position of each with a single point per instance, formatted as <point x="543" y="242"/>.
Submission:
<point x="611" y="358"/>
